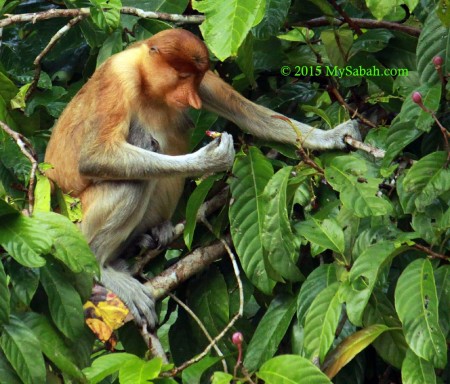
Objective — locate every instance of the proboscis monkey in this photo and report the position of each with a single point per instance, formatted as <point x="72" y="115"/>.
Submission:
<point x="121" y="146"/>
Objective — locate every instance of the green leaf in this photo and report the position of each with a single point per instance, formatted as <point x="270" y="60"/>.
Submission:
<point x="251" y="173"/>
<point x="425" y="181"/>
<point x="417" y="307"/>
<point x="195" y="201"/>
<point x="210" y="302"/>
<point x="65" y="304"/>
<point x="42" y="194"/>
<point x="364" y="275"/>
<point x="106" y="13"/>
<point x="321" y="323"/>
<point x="52" y="344"/>
<point x="326" y="234"/>
<point x="140" y="371"/>
<point x="113" y="44"/>
<point x="220" y="378"/>
<point x="270" y="331"/>
<point x="416" y="370"/>
<point x="6" y="209"/>
<point x="358" y="191"/>
<point x="277" y="239"/>
<point x="7" y="372"/>
<point x="22" y="349"/>
<point x="337" y="45"/>
<point x="25" y="281"/>
<point x="194" y="373"/>
<point x="274" y="16"/>
<point x="69" y="244"/>
<point x="373" y="40"/>
<point x="5" y="296"/>
<point x="228" y="23"/>
<point x="106" y="365"/>
<point x="391" y="346"/>
<point x="433" y="41"/>
<point x="25" y="240"/>
<point x="290" y="369"/>
<point x="316" y="282"/>
<point x="350" y="347"/>
<point x="442" y="276"/>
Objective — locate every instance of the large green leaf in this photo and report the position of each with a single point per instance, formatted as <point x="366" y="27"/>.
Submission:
<point x="326" y="234"/>
<point x="349" y="176"/>
<point x="364" y="275"/>
<point x="278" y="239"/>
<point x="52" y="344"/>
<point x="425" y="181"/>
<point x="391" y="346"/>
<point x="290" y="369"/>
<point x="270" y="331"/>
<point x="442" y="276"/>
<point x="433" y="41"/>
<point x="350" y="347"/>
<point x="7" y="372"/>
<point x="106" y="365"/>
<point x="65" y="304"/>
<point x="416" y="370"/>
<point x="139" y="371"/>
<point x="321" y="323"/>
<point x="274" y="16"/>
<point x="69" y="244"/>
<point x="251" y="173"/>
<point x="227" y="23"/>
<point x="317" y="281"/>
<point x="417" y="306"/>
<point x="4" y="296"/>
<point x="25" y="240"/>
<point x="195" y="201"/>
<point x="23" y="351"/>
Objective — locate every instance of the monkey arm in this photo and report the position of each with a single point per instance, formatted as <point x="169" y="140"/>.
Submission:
<point x="124" y="161"/>
<point x="219" y="97"/>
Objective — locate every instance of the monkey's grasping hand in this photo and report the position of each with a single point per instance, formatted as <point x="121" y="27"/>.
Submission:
<point x="219" y="154"/>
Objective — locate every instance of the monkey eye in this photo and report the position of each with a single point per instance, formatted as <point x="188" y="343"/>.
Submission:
<point x="154" y="49"/>
<point x="184" y="75"/>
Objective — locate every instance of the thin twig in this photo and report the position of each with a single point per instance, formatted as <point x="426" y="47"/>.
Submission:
<point x="55" y="38"/>
<point x="354" y="112"/>
<point x="300" y="148"/>
<point x="202" y="327"/>
<point x="27" y="149"/>
<point x="362" y="23"/>
<point x="431" y="253"/>
<point x="351" y="23"/>
<point x="236" y="317"/>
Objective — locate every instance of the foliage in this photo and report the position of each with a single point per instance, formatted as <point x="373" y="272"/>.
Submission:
<point x="345" y="273"/>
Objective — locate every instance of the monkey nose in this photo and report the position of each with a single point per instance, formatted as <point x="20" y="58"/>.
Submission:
<point x="194" y="100"/>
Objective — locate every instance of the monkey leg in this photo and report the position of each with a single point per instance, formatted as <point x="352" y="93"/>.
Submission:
<point x="112" y="212"/>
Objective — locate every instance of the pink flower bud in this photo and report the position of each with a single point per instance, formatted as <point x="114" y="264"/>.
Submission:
<point x="437" y="60"/>
<point x="417" y="97"/>
<point x="237" y="338"/>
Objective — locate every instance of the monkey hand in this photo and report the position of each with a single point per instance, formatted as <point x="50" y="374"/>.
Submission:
<point x="136" y="296"/>
<point x="219" y="154"/>
<point x="336" y="136"/>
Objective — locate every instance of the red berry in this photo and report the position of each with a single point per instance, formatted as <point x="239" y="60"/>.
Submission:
<point x="237" y="338"/>
<point x="417" y="97"/>
<point x="437" y="60"/>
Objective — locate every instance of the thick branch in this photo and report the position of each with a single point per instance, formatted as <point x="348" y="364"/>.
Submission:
<point x="84" y="12"/>
<point x="192" y="264"/>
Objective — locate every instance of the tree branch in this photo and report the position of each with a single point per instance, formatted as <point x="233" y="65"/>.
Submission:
<point x="362" y="23"/>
